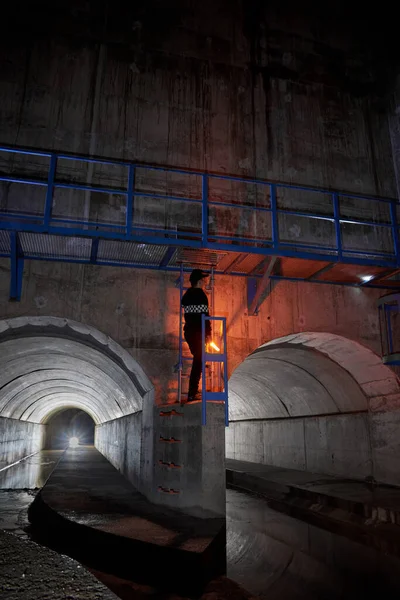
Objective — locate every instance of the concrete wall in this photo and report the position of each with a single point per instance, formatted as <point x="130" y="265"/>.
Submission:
<point x="336" y="445"/>
<point x="18" y="439"/>
<point x="220" y="86"/>
<point x="140" y="310"/>
<point x="247" y="89"/>
<point x="120" y="442"/>
<point x="356" y="446"/>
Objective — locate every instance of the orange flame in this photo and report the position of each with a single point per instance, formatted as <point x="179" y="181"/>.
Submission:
<point x="214" y="346"/>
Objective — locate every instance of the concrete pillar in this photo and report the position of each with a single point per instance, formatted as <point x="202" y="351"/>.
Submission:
<point x="183" y="463"/>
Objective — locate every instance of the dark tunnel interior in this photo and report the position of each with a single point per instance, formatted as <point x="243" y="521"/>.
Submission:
<point x="66" y="425"/>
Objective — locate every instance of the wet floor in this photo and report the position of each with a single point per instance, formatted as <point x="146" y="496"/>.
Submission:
<point x="276" y="556"/>
<point x="270" y="554"/>
<point x="30" y="473"/>
<point x="19" y="485"/>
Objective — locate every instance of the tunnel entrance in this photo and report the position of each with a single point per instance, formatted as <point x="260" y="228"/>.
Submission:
<point x="71" y="426"/>
<point x="64" y="376"/>
<point x="316" y="402"/>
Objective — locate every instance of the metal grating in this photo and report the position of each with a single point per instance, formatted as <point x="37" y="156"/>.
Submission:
<point x="130" y="253"/>
<point x="5" y="245"/>
<point x="197" y="257"/>
<point x="55" y="246"/>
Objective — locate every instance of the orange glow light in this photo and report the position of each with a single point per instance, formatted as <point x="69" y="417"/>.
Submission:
<point x="214" y="346"/>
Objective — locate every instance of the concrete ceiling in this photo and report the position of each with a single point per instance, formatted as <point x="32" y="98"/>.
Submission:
<point x="47" y="364"/>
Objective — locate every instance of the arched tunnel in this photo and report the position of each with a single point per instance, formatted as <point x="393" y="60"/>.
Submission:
<point x="312" y="402"/>
<point x="298" y="405"/>
<point x="50" y="365"/>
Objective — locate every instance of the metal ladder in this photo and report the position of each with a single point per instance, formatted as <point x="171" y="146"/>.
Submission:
<point x="217" y="356"/>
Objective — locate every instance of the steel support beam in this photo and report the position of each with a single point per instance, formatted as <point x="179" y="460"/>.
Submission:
<point x="94" y="249"/>
<point x="258" y="290"/>
<point x="17" y="268"/>
<point x="167" y="257"/>
<point x="236" y="261"/>
<point x="321" y="271"/>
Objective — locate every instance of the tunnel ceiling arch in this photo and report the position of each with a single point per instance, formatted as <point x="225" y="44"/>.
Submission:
<point x="48" y="363"/>
<point x="310" y="374"/>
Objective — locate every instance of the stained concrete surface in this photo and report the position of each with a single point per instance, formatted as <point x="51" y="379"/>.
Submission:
<point x="17" y="438"/>
<point x="123" y="442"/>
<point x="199" y="456"/>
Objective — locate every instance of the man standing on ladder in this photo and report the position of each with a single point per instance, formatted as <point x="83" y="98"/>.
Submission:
<point x="194" y="304"/>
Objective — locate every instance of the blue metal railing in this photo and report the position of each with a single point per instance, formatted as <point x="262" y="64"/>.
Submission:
<point x="219" y="358"/>
<point x="368" y="248"/>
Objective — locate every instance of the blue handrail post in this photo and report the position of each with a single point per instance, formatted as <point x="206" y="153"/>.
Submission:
<point x="395" y="231"/>
<point x="17" y="268"/>
<point x="129" y="200"/>
<point x="50" y="190"/>
<point x="204" y="209"/>
<point x="338" y="233"/>
<point x="225" y="367"/>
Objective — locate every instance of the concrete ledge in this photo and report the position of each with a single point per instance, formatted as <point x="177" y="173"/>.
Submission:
<point x="90" y="512"/>
<point x="369" y="515"/>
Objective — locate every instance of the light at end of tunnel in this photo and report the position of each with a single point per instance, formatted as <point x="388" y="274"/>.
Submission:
<point x="73" y="442"/>
<point x="366" y="278"/>
<point x="214" y="346"/>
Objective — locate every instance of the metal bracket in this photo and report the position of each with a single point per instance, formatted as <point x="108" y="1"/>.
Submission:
<point x="17" y="268"/>
<point x="258" y="290"/>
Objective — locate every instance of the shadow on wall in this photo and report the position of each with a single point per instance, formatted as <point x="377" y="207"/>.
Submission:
<point x="316" y="402"/>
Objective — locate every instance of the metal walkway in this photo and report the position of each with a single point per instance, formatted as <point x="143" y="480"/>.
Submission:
<point x="61" y="207"/>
